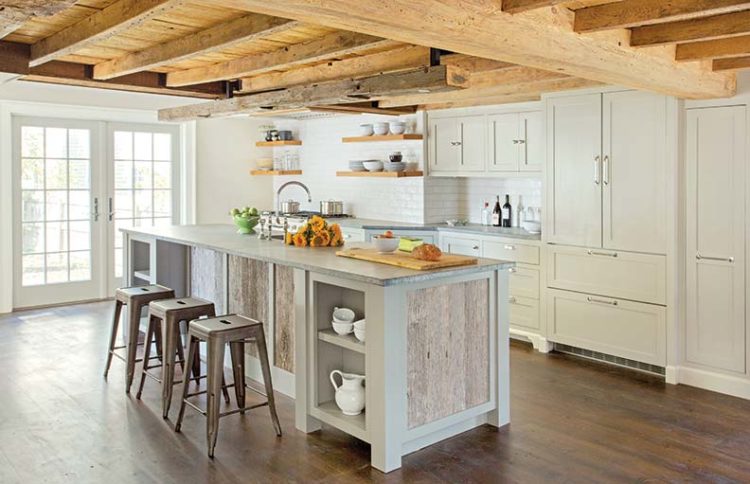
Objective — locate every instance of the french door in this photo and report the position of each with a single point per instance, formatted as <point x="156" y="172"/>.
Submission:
<point x="76" y="183"/>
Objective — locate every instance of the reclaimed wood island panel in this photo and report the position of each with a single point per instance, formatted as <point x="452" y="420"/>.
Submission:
<point x="435" y="358"/>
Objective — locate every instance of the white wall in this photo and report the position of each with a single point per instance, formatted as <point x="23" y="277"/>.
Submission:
<point x="224" y="155"/>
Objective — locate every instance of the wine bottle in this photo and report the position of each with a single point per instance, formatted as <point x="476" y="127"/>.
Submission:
<point x="496" y="214"/>
<point x="507" y="211"/>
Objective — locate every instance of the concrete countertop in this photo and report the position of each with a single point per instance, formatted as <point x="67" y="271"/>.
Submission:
<point x="369" y="224"/>
<point x="224" y="238"/>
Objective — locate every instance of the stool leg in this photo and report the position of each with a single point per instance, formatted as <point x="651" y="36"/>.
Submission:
<point x="215" y="381"/>
<point x="170" y="341"/>
<point x="113" y="336"/>
<point x="134" y="319"/>
<point x="146" y="354"/>
<point x="237" y="351"/>
<point x="196" y="362"/>
<point x="181" y="354"/>
<point x="159" y="345"/>
<point x="192" y="351"/>
<point x="266" y="368"/>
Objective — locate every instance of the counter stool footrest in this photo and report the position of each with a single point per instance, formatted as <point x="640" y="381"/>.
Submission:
<point x="238" y="410"/>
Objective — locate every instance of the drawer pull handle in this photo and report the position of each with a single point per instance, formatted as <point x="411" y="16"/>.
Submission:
<point x="604" y="254"/>
<point x="601" y="301"/>
<point x="512" y="300"/>
<point x="512" y="270"/>
<point x="509" y="247"/>
<point x="476" y="247"/>
<point x="718" y="259"/>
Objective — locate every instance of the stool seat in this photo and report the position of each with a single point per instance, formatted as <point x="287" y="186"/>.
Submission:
<point x="185" y="306"/>
<point x="142" y="294"/>
<point x="223" y="327"/>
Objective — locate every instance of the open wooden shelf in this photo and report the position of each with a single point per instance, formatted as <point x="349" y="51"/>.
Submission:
<point x="275" y="172"/>
<point x="380" y="174"/>
<point x="385" y="137"/>
<point x="349" y="341"/>
<point x="291" y="142"/>
<point x="330" y="413"/>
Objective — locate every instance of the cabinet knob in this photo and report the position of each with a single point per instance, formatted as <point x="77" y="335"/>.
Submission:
<point x="476" y="247"/>
<point x="512" y="270"/>
<point x="512" y="300"/>
<point x="509" y="247"/>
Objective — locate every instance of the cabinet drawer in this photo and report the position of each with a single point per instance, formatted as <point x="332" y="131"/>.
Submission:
<point x="639" y="277"/>
<point x="527" y="254"/>
<point x="636" y="331"/>
<point x="353" y="235"/>
<point x="460" y="245"/>
<point x="524" y="312"/>
<point x="524" y="282"/>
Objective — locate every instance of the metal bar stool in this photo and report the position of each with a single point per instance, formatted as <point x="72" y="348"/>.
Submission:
<point x="217" y="332"/>
<point x="135" y="298"/>
<point x="165" y="317"/>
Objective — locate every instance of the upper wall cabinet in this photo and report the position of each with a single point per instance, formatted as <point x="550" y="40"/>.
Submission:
<point x="505" y="144"/>
<point x="606" y="173"/>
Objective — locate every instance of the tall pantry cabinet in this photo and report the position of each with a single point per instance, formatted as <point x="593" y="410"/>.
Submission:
<point x="606" y="223"/>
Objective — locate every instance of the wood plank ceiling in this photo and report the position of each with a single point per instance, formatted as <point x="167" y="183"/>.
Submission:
<point x="256" y="56"/>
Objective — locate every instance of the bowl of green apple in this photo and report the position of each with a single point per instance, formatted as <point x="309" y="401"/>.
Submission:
<point x="245" y="219"/>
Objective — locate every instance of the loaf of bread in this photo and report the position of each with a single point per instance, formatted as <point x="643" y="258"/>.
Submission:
<point x="427" y="252"/>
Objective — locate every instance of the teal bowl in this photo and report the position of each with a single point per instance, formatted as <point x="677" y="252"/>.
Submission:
<point x="245" y="225"/>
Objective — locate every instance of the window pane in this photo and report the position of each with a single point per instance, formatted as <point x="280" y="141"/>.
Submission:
<point x="57" y="205"/>
<point x="118" y="262"/>
<point x="57" y="268"/>
<point x="79" y="144"/>
<point x="32" y="141"/>
<point x="33" y="270"/>
<point x="143" y="204"/>
<point x="123" y="145"/>
<point x="32" y="206"/>
<point x="160" y="222"/>
<point x="80" y="205"/>
<point x="57" y="236"/>
<point x="56" y="143"/>
<point x="79" y="174"/>
<point x="33" y="238"/>
<point x="143" y="174"/>
<point x="162" y="175"/>
<point x="162" y="203"/>
<point x="80" y="235"/>
<point x="142" y="146"/>
<point x="32" y="174"/>
<point x="123" y="204"/>
<point x="80" y="266"/>
<point x="57" y="174"/>
<point x="123" y="174"/>
<point x="143" y="222"/>
<point x="121" y="224"/>
<point x="162" y="146"/>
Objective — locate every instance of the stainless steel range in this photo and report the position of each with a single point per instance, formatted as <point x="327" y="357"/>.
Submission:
<point x="275" y="225"/>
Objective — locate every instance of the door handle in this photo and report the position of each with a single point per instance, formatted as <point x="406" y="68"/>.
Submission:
<point x="604" y="254"/>
<point x="455" y="143"/>
<point x="95" y="213"/>
<point x="476" y="247"/>
<point x="717" y="259"/>
<point x="605" y="170"/>
<point x="597" y="160"/>
<point x="509" y="247"/>
<point x="110" y="210"/>
<point x="601" y="301"/>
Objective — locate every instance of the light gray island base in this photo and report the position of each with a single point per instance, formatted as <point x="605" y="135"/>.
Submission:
<point x="436" y="351"/>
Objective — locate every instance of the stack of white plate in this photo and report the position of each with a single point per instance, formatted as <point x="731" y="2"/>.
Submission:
<point x="357" y="165"/>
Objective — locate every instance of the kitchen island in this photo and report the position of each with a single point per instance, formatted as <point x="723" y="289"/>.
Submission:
<point x="435" y="357"/>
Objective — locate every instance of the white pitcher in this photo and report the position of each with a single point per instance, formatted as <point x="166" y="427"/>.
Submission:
<point x="350" y="396"/>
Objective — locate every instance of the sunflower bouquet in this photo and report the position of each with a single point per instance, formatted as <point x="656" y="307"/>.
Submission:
<point x="316" y="233"/>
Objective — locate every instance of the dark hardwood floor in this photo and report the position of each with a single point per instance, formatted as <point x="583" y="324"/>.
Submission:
<point x="572" y="421"/>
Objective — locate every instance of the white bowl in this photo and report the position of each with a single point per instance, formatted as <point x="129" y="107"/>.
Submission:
<point x="342" y="328"/>
<point x="365" y="130"/>
<point x="373" y="165"/>
<point x="394" y="166"/>
<point x="343" y="315"/>
<point x="531" y="226"/>
<point x="360" y="334"/>
<point x="360" y="324"/>
<point x="397" y="127"/>
<point x="380" y="128"/>
<point x="385" y="245"/>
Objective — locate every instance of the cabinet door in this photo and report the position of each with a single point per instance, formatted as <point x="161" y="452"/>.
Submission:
<point x="473" y="143"/>
<point x="634" y="175"/>
<point x="531" y="146"/>
<point x="503" y="137"/>
<point x="574" y="196"/>
<point x="716" y="160"/>
<point x="445" y="144"/>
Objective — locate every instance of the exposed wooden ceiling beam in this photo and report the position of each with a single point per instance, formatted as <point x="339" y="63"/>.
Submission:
<point x="483" y="101"/>
<point x="14" y="14"/>
<point x="731" y="64"/>
<point x="14" y="59"/>
<point x="471" y="63"/>
<point x="541" y="38"/>
<point x="518" y="6"/>
<point x="713" y="27"/>
<point x="110" y="21"/>
<point x="403" y="58"/>
<point x="365" y="108"/>
<point x="222" y="36"/>
<point x="713" y="49"/>
<point x="507" y="75"/>
<point x="332" y="45"/>
<point x="432" y="79"/>
<point x="632" y="13"/>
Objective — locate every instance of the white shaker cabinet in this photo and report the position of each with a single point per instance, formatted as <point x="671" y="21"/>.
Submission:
<point x="531" y="141"/>
<point x="444" y="145"/>
<point x="716" y="190"/>
<point x="516" y="142"/>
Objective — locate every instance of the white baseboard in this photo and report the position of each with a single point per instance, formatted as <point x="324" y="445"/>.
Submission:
<point x="718" y="382"/>
<point x="540" y="343"/>
<point x="283" y="381"/>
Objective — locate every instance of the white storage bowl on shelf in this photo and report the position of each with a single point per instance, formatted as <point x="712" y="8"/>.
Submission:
<point x="380" y="129"/>
<point x="394" y="166"/>
<point x="397" y="127"/>
<point x="373" y="165"/>
<point x="365" y="130"/>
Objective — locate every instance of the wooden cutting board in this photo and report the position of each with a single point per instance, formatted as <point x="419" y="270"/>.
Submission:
<point x="405" y="259"/>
